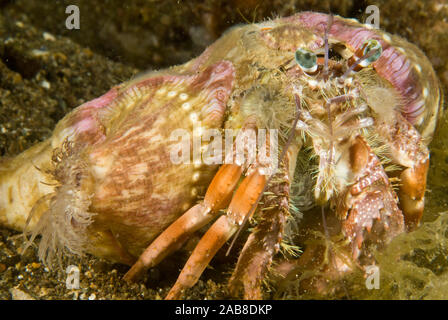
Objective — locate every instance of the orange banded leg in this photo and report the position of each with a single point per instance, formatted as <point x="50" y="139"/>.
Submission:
<point x="216" y="198"/>
<point x="241" y="205"/>
<point x="262" y="244"/>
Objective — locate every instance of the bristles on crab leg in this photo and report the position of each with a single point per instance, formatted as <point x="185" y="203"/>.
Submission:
<point x="264" y="242"/>
<point x="289" y="142"/>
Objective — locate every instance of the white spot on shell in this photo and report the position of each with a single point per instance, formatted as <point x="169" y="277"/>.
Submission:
<point x="183" y="96"/>
<point x="425" y="93"/>
<point x="193" y="117"/>
<point x="387" y="38"/>
<point x="186" y="106"/>
<point x="196" y="176"/>
<point x="418" y="68"/>
<point x="161" y="91"/>
<point x="194" y="192"/>
<point x="172" y="94"/>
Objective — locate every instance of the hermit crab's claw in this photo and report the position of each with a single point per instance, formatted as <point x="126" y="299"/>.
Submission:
<point x="408" y="150"/>
<point x="412" y="193"/>
<point x="374" y="217"/>
<point x="370" y="210"/>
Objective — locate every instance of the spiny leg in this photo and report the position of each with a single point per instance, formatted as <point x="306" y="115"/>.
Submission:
<point x="216" y="198"/>
<point x="261" y="246"/>
<point x="241" y="205"/>
<point x="407" y="149"/>
<point x="369" y="203"/>
<point x="369" y="212"/>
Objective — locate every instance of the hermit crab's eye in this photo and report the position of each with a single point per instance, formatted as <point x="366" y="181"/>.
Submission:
<point x="306" y="59"/>
<point x="369" y="46"/>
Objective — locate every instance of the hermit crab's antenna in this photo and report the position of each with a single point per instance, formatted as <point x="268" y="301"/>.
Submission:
<point x="282" y="156"/>
<point x="327" y="31"/>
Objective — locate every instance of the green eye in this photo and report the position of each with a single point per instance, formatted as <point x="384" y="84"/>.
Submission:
<point x="369" y="46"/>
<point x="306" y="60"/>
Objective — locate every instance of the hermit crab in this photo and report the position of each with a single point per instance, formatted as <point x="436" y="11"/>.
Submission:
<point x="348" y="99"/>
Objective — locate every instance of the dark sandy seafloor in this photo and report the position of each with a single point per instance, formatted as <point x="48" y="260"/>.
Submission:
<point x="46" y="70"/>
